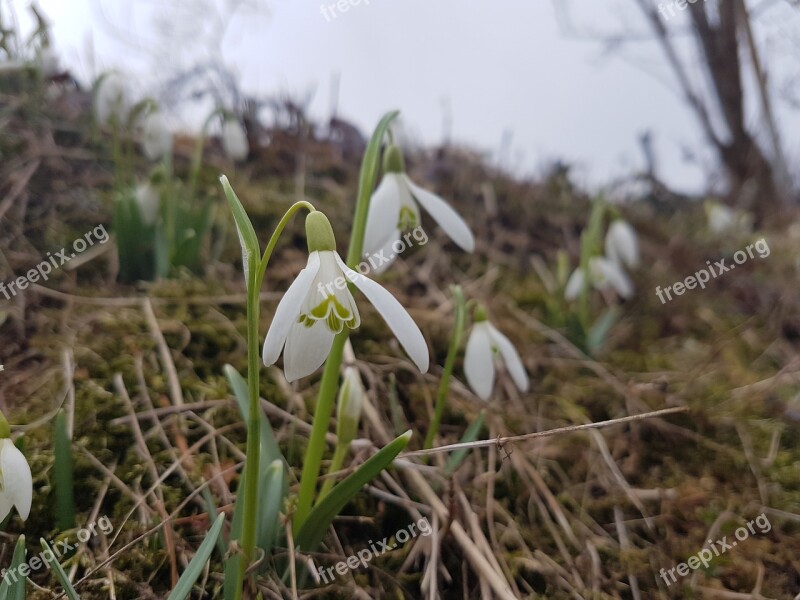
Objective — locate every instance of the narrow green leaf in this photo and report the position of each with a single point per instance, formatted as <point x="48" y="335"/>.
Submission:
<point x="59" y="571"/>
<point x="234" y="560"/>
<point x="470" y="435"/>
<point x="64" y="489"/>
<point x="274" y="491"/>
<point x="271" y="452"/>
<point x="251" y="252"/>
<point x="13" y="588"/>
<point x="315" y="526"/>
<point x="212" y="510"/>
<point x="184" y="586"/>
<point x="366" y="183"/>
<point x="599" y="331"/>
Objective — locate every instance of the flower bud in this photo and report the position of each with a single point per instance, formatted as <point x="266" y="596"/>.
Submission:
<point x="349" y="406"/>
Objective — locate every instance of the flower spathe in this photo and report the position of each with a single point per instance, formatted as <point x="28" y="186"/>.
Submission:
<point x="486" y="344"/>
<point x="394" y="209"/>
<point x="350" y="404"/>
<point x="318" y="305"/>
<point x="16" y="482"/>
<point x="622" y="245"/>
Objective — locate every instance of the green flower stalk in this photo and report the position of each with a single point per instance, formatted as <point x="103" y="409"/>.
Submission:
<point x="449" y="364"/>
<point x="255" y="271"/>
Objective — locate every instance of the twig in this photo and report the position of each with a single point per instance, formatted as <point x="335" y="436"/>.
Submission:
<point x="550" y="432"/>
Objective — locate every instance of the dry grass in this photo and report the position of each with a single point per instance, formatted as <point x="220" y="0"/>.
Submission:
<point x="591" y="514"/>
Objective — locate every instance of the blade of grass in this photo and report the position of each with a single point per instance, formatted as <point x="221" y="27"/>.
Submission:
<point x="470" y="435"/>
<point x="185" y="584"/>
<point x="14" y="590"/>
<point x="59" y="571"/>
<point x="64" y="487"/>
<point x="321" y="516"/>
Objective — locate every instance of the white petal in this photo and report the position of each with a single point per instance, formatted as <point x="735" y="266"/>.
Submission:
<point x="17" y="480"/>
<point x="384" y="256"/>
<point x="288" y="310"/>
<point x="478" y="361"/>
<point x="447" y="218"/>
<point x="621" y="244"/>
<point x="574" y="284"/>
<point x="384" y="208"/>
<point x="396" y="317"/>
<point x="5" y="505"/>
<point x="608" y="273"/>
<point x="234" y="140"/>
<point x="306" y="349"/>
<point x="510" y="358"/>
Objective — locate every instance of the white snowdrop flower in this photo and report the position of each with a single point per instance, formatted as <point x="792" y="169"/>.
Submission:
<point x="234" y="140"/>
<point x="622" y="245"/>
<point x="112" y="99"/>
<point x="394" y="209"/>
<point x="148" y="201"/>
<point x="603" y="274"/>
<point x="720" y="217"/>
<point x="574" y="284"/>
<point x="16" y="482"/>
<point x="47" y="61"/>
<point x="486" y="345"/>
<point x="156" y="136"/>
<point x="318" y="305"/>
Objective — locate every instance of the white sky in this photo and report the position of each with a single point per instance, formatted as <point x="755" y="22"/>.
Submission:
<point x="500" y="66"/>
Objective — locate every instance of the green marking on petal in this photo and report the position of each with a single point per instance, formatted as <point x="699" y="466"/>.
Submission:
<point x="333" y="312"/>
<point x="407" y="219"/>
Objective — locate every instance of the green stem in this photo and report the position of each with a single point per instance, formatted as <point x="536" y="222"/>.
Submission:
<point x="197" y="155"/>
<point x="330" y="375"/>
<point x="449" y="364"/>
<point x="339" y="454"/>
<point x="254" y="281"/>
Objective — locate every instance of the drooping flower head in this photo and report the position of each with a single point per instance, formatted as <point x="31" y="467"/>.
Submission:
<point x="604" y="274"/>
<point x="485" y="346"/>
<point x="148" y="202"/>
<point x="234" y="140"/>
<point x="16" y="482"/>
<point x="112" y="99"/>
<point x="156" y="136"/>
<point x="318" y="305"/>
<point x="394" y="209"/>
<point x="622" y="245"/>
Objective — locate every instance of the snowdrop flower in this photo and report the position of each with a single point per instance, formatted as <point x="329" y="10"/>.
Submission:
<point x="156" y="136"/>
<point x="148" y="201"/>
<point x="112" y="99"/>
<point x="318" y="305"/>
<point x="47" y="62"/>
<point x="603" y="274"/>
<point x="722" y="219"/>
<point x="394" y="210"/>
<point x="485" y="345"/>
<point x="234" y="140"/>
<point x="622" y="245"/>
<point x="16" y="482"/>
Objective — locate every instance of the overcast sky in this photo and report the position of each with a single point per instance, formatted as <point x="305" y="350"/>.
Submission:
<point x="495" y="67"/>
